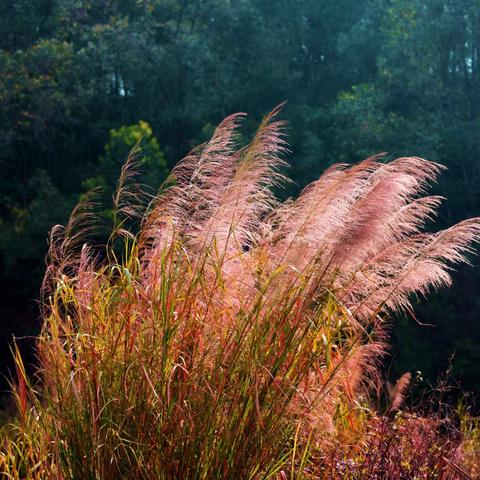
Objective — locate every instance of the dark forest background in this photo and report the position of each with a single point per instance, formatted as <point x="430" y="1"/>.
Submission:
<point x="82" y="80"/>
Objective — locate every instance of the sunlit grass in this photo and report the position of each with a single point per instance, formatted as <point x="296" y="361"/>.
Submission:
<point x="231" y="336"/>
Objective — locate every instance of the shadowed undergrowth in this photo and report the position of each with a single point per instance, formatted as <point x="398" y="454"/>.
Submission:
<point x="234" y="336"/>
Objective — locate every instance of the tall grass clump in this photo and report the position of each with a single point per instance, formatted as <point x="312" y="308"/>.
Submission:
<point x="231" y="336"/>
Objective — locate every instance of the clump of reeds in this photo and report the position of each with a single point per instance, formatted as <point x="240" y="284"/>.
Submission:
<point x="223" y="338"/>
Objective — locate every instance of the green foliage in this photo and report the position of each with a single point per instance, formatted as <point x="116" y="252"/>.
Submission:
<point x="23" y="238"/>
<point x="121" y="142"/>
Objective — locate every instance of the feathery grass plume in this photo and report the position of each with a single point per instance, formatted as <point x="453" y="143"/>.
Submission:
<point x="396" y="393"/>
<point x="234" y="335"/>
<point x="66" y="242"/>
<point x="129" y="197"/>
